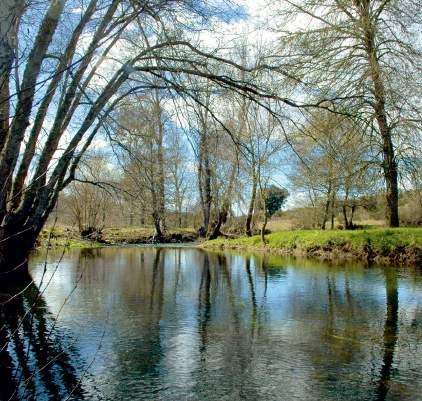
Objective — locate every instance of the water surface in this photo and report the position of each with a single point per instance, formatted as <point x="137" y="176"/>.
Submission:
<point x="141" y="323"/>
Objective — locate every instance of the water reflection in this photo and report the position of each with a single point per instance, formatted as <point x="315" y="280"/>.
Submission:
<point x="390" y="332"/>
<point x="35" y="363"/>
<point x="184" y="324"/>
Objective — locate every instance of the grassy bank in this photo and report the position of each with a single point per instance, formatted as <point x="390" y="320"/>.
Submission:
<point x="63" y="237"/>
<point x="69" y="237"/>
<point x="386" y="246"/>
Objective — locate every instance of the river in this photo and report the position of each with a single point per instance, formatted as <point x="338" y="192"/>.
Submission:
<point x="148" y="323"/>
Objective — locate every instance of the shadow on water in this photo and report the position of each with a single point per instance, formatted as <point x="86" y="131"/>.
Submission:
<point x="390" y="333"/>
<point x="35" y="363"/>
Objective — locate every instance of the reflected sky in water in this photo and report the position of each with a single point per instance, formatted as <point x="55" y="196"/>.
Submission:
<point x="142" y="323"/>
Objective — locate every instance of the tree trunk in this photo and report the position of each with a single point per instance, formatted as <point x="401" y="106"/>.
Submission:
<point x="325" y="217"/>
<point x="14" y="252"/>
<point x="9" y="16"/>
<point x="264" y="227"/>
<point x="327" y="207"/>
<point x="222" y="216"/>
<point x="251" y="204"/>
<point x="204" y="175"/>
<point x="346" y="222"/>
<point x="26" y="95"/>
<point x="221" y="219"/>
<point x="332" y="206"/>
<point x="158" y="234"/>
<point x="391" y="179"/>
<point x="179" y="217"/>
<point x="161" y="174"/>
<point x="389" y="161"/>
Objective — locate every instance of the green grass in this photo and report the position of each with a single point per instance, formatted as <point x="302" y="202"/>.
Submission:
<point x="69" y="237"/>
<point x="63" y="237"/>
<point x="120" y="234"/>
<point x="380" y="241"/>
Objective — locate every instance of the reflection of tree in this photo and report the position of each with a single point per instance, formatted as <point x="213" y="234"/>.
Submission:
<point x="223" y="265"/>
<point x="252" y="289"/>
<point x="390" y="333"/>
<point x="189" y="323"/>
<point x="145" y="341"/>
<point x="30" y="353"/>
<point x="239" y="352"/>
<point x="157" y="283"/>
<point x="204" y="303"/>
<point x="264" y="269"/>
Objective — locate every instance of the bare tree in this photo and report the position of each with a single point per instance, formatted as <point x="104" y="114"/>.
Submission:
<point x="334" y="161"/>
<point x="364" y="53"/>
<point x="141" y="139"/>
<point x="90" y="197"/>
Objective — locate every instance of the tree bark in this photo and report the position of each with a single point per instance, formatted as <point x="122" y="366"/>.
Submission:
<point x="346" y="221"/>
<point x="327" y="208"/>
<point x="204" y="178"/>
<point x="10" y="11"/>
<point x="251" y="204"/>
<point x="26" y="96"/>
<point x="224" y="212"/>
<point x="161" y="174"/>
<point x="332" y="208"/>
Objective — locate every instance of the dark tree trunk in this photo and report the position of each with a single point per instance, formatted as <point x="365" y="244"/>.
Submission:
<point x="332" y="208"/>
<point x="325" y="217"/>
<point x="224" y="212"/>
<point x="346" y="221"/>
<point x="222" y="218"/>
<point x="251" y="205"/>
<point x="158" y="234"/>
<point x="204" y="175"/>
<point x="327" y="207"/>
<point x="391" y="179"/>
<point x="14" y="252"/>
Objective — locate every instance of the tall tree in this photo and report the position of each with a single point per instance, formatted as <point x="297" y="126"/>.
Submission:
<point x="141" y="141"/>
<point x="364" y="54"/>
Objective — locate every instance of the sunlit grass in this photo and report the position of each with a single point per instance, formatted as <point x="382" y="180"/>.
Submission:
<point x="69" y="237"/>
<point x="381" y="241"/>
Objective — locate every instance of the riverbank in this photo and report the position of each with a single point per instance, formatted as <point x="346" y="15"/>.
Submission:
<point x="400" y="246"/>
<point x="69" y="237"/>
